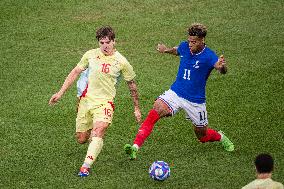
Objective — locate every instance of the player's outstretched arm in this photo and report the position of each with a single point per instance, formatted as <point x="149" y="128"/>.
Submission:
<point x="134" y="94"/>
<point x="164" y="49"/>
<point x="221" y="65"/>
<point x="67" y="83"/>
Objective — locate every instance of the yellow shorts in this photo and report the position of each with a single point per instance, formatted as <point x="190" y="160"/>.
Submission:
<point x="89" y="114"/>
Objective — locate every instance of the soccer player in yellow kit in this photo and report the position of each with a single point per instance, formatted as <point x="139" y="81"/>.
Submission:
<point x="96" y="106"/>
<point x="264" y="165"/>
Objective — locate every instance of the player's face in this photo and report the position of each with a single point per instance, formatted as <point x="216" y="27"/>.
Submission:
<point x="107" y="46"/>
<point x="196" y="44"/>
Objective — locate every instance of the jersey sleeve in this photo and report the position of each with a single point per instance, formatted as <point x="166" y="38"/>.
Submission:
<point x="213" y="59"/>
<point x="180" y="49"/>
<point x="127" y="71"/>
<point x="84" y="62"/>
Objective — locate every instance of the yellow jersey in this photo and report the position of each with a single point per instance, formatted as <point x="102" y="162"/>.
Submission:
<point x="264" y="184"/>
<point x="104" y="74"/>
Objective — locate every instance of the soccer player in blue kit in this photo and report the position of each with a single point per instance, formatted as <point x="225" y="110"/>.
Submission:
<point x="188" y="91"/>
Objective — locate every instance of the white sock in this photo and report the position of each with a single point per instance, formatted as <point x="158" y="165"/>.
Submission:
<point x="86" y="165"/>
<point x="136" y="146"/>
<point x="94" y="149"/>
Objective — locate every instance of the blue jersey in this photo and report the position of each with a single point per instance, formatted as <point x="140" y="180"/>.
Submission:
<point x="193" y="72"/>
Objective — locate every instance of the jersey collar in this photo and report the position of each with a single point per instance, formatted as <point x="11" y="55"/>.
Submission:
<point x="199" y="52"/>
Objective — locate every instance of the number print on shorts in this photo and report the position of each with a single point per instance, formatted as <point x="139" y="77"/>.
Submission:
<point x="186" y="74"/>
<point x="107" y="112"/>
<point x="202" y="115"/>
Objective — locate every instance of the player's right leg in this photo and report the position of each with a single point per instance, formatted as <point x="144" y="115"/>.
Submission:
<point x="83" y="123"/>
<point x="163" y="106"/>
<point x="131" y="151"/>
<point x="83" y="131"/>
<point x="159" y="110"/>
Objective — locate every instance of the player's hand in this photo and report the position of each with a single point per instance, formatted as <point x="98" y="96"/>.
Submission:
<point x="161" y="48"/>
<point x="138" y="115"/>
<point x="221" y="61"/>
<point x="221" y="65"/>
<point x="55" y="98"/>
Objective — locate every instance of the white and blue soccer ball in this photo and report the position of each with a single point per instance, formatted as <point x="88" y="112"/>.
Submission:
<point x="159" y="170"/>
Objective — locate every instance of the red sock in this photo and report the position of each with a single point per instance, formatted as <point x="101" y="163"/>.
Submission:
<point x="211" y="136"/>
<point x="146" y="127"/>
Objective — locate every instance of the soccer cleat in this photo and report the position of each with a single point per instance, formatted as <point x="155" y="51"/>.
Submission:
<point x="84" y="172"/>
<point x="131" y="151"/>
<point x="227" y="144"/>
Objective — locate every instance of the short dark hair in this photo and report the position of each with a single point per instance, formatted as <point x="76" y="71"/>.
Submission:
<point x="197" y="29"/>
<point x="264" y="163"/>
<point x="105" y="31"/>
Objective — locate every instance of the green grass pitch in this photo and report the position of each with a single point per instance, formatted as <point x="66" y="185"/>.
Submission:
<point x="41" y="41"/>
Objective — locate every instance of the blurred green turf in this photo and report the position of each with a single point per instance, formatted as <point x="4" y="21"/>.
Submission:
<point x="41" y="41"/>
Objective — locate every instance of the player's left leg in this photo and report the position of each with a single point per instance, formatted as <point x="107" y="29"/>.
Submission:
<point x="95" y="146"/>
<point x="198" y="115"/>
<point x="84" y="123"/>
<point x="205" y="134"/>
<point x="226" y="142"/>
<point x="102" y="117"/>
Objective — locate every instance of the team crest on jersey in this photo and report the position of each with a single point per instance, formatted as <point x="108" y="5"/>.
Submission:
<point x="196" y="65"/>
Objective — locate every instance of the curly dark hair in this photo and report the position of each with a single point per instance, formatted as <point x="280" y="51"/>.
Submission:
<point x="264" y="163"/>
<point x="197" y="29"/>
<point x="105" y="31"/>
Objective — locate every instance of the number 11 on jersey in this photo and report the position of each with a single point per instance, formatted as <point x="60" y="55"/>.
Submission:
<point x="186" y="74"/>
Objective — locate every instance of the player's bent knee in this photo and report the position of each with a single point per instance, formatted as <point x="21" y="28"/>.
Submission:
<point x="81" y="141"/>
<point x="82" y="137"/>
<point x="162" y="109"/>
